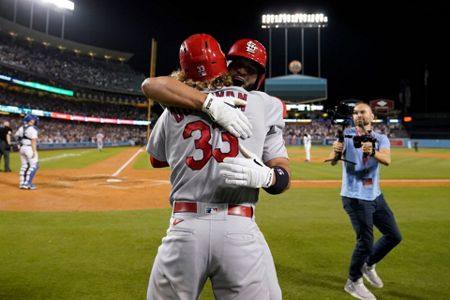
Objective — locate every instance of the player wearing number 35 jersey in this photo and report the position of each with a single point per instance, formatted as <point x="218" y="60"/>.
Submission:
<point x="193" y="147"/>
<point x="215" y="184"/>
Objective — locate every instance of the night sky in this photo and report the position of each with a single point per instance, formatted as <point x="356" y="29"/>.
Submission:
<point x="368" y="48"/>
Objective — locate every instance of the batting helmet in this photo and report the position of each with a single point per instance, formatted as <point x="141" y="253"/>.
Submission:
<point x="252" y="50"/>
<point x="201" y="57"/>
<point x="30" y="117"/>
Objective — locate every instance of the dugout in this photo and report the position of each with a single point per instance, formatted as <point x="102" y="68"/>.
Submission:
<point x="297" y="88"/>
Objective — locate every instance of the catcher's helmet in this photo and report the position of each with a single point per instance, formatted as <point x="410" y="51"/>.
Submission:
<point x="201" y="58"/>
<point x="30" y="117"/>
<point x="252" y="50"/>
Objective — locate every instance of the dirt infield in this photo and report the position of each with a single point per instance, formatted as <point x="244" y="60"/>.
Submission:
<point x="90" y="189"/>
<point x="95" y="189"/>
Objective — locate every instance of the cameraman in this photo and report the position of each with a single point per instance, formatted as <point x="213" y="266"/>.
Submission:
<point x="363" y="201"/>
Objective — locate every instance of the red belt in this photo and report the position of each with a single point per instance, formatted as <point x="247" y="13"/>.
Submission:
<point x="233" y="209"/>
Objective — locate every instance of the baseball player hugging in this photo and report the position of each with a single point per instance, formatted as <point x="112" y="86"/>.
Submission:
<point x="215" y="185"/>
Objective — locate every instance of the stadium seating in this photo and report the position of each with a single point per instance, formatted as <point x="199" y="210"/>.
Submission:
<point x="68" y="67"/>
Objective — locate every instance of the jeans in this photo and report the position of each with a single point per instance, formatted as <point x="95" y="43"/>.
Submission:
<point x="363" y="215"/>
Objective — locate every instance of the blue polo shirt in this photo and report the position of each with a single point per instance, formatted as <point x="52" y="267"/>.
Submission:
<point x="361" y="181"/>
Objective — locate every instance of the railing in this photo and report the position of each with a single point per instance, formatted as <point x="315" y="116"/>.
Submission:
<point x="395" y="142"/>
<point x="50" y="146"/>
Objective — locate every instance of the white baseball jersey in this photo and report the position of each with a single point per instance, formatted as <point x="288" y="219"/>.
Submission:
<point x="307" y="144"/>
<point x="307" y="140"/>
<point x="100" y="137"/>
<point x="193" y="146"/>
<point x="26" y="134"/>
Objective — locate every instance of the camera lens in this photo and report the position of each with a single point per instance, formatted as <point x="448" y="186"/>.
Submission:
<point x="357" y="141"/>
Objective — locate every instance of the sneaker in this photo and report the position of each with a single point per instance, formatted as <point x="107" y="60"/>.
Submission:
<point x="371" y="276"/>
<point x="358" y="290"/>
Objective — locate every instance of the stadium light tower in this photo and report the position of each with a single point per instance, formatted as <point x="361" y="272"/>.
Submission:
<point x="64" y="6"/>
<point x="298" y="20"/>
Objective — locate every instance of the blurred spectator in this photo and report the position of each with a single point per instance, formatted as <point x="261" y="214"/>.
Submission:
<point x="99" y="139"/>
<point x="324" y="129"/>
<point x="68" y="66"/>
<point x="74" y="106"/>
<point x="58" y="131"/>
<point x="307" y="145"/>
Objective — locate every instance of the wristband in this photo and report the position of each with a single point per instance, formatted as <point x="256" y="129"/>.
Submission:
<point x="282" y="181"/>
<point x="206" y="107"/>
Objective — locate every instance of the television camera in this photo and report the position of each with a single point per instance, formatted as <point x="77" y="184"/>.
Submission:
<point x="342" y="115"/>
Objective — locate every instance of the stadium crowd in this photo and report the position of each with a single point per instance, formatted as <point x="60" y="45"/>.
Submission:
<point x="53" y="131"/>
<point x="48" y="102"/>
<point x="58" y="131"/>
<point x="324" y="129"/>
<point x="67" y="66"/>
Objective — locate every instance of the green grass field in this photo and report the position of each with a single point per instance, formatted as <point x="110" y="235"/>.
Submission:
<point x="108" y="255"/>
<point x="68" y="158"/>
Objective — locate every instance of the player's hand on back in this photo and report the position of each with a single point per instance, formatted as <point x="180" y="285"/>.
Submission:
<point x="249" y="171"/>
<point x="224" y="111"/>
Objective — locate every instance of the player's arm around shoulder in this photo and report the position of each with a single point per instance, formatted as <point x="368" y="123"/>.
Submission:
<point x="171" y="92"/>
<point x="251" y="171"/>
<point x="281" y="180"/>
<point x="280" y="162"/>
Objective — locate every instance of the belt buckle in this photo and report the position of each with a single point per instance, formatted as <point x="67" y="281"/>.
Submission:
<point x="212" y="210"/>
<point x="216" y="211"/>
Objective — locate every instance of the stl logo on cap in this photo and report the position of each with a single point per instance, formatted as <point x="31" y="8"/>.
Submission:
<point x="251" y="47"/>
<point x="201" y="70"/>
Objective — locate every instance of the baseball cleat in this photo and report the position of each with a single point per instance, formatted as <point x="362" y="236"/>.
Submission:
<point x="23" y="187"/>
<point x="371" y="276"/>
<point x="31" y="187"/>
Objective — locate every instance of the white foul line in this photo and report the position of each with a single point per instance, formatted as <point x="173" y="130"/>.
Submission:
<point x="60" y="156"/>
<point x="127" y="163"/>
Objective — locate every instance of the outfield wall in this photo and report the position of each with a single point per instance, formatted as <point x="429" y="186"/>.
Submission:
<point x="44" y="146"/>
<point x="407" y="143"/>
<point x="429" y="143"/>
